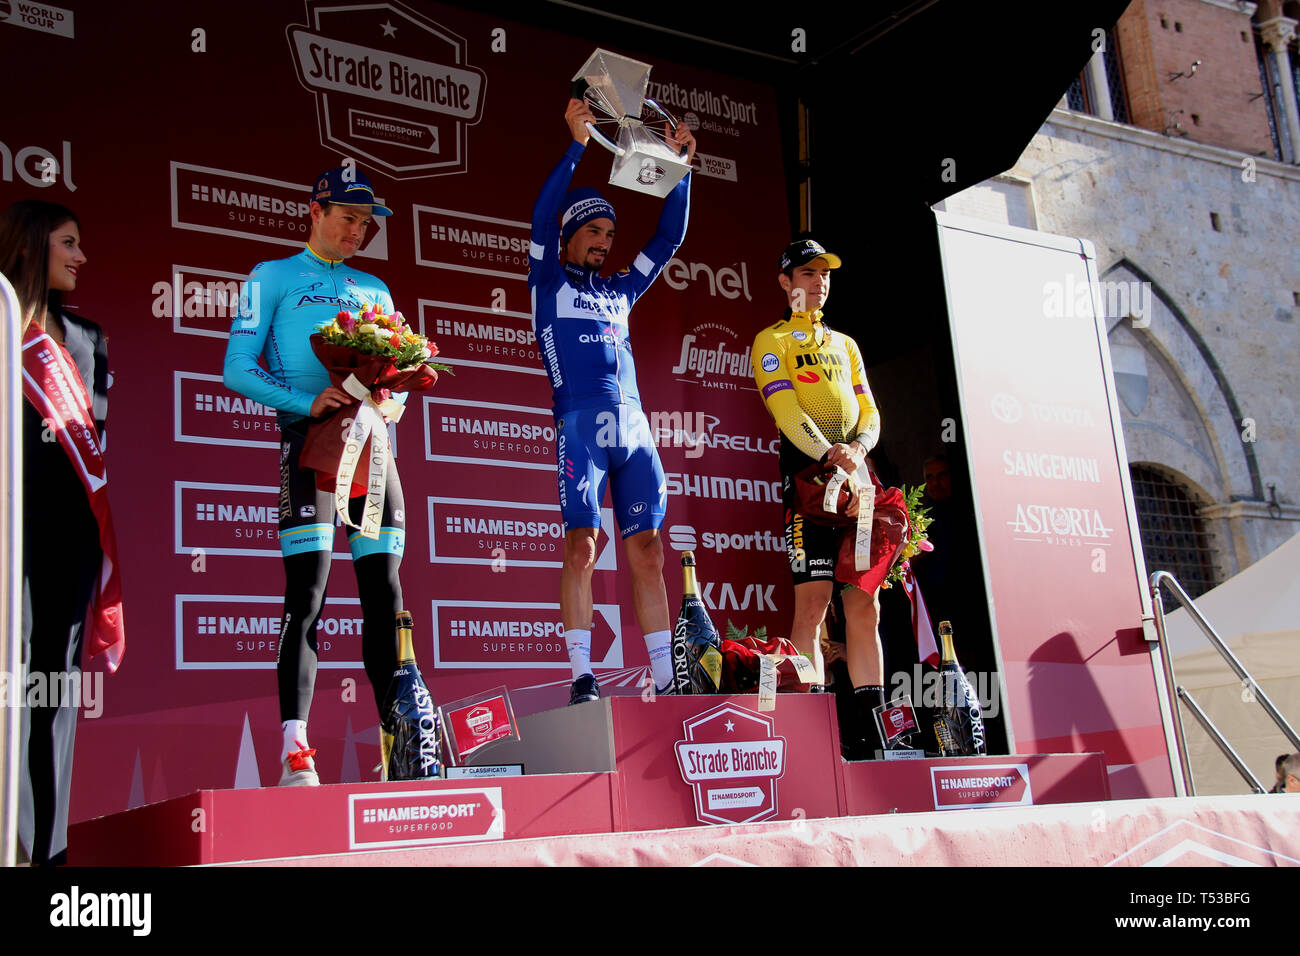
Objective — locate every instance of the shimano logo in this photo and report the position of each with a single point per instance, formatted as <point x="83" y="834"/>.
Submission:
<point x="719" y="487"/>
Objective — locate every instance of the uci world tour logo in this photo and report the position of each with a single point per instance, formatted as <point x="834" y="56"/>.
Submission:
<point x="392" y="87"/>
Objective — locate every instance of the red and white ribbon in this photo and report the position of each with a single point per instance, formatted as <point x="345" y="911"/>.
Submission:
<point x="53" y="386"/>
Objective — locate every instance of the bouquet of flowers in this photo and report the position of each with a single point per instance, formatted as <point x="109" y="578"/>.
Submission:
<point x="369" y="356"/>
<point x="742" y="655"/>
<point x="918" y="520"/>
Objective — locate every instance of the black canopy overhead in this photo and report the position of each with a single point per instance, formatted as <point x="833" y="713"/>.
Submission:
<point x="909" y="101"/>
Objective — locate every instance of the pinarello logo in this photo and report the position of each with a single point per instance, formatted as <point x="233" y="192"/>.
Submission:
<point x="423" y="817"/>
<point x="732" y="760"/>
<point x="981" y="785"/>
<point x="391" y="85"/>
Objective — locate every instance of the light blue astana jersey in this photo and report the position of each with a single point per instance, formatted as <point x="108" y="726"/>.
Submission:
<point x="286" y="301"/>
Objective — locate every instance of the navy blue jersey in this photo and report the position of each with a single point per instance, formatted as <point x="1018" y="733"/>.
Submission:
<point x="580" y="318"/>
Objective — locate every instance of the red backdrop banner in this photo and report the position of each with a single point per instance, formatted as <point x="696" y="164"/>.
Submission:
<point x="194" y="164"/>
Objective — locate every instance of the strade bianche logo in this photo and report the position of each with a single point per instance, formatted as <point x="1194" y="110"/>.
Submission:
<point x="732" y="761"/>
<point x="391" y="85"/>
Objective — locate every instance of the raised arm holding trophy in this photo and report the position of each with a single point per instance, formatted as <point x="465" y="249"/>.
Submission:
<point x="581" y="321"/>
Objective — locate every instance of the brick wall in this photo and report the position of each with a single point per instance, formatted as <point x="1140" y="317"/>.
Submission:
<point x="1154" y="46"/>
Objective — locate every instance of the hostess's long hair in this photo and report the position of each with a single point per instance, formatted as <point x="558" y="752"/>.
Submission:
<point x="25" y="229"/>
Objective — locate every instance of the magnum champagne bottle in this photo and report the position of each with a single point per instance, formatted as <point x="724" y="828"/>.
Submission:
<point x="410" y="733"/>
<point x="959" y="725"/>
<point x="697" y="654"/>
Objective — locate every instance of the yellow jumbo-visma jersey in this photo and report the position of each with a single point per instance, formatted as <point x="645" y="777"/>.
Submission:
<point x="814" y="385"/>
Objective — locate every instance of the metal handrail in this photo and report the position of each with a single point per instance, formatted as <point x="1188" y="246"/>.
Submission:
<point x="11" y="581"/>
<point x="1257" y="693"/>
<point x="1224" y="747"/>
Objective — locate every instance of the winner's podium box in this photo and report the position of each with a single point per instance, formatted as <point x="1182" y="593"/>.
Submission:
<point x="618" y="764"/>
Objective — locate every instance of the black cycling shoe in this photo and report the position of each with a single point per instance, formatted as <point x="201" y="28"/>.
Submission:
<point x="584" y="689"/>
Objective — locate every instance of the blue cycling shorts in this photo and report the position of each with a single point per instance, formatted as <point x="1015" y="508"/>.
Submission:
<point x="611" y="445"/>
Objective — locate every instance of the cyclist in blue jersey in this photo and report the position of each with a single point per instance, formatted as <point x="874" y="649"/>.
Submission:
<point x="580" y="319"/>
<point x="287" y="300"/>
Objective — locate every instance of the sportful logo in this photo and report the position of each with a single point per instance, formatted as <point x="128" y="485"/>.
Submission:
<point x="404" y="100"/>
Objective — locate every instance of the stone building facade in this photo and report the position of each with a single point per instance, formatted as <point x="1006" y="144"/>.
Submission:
<point x="1192" y="199"/>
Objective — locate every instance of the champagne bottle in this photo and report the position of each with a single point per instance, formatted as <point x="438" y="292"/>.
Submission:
<point x="697" y="648"/>
<point x="959" y="725"/>
<point x="409" y="717"/>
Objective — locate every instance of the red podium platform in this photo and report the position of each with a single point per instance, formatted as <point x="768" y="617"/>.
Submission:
<point x="619" y="764"/>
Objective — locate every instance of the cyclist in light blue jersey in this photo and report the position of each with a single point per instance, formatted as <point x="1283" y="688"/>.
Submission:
<point x="287" y="300"/>
<point x="580" y="319"/>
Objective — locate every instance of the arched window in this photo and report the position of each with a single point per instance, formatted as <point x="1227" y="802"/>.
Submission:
<point x="1174" y="538"/>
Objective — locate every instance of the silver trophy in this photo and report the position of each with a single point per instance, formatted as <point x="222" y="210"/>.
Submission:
<point x="629" y="124"/>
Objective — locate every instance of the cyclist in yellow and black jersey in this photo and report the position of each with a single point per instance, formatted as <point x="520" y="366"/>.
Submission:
<point x="813" y="382"/>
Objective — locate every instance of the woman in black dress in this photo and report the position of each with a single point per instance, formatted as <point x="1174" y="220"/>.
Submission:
<point x="40" y="255"/>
